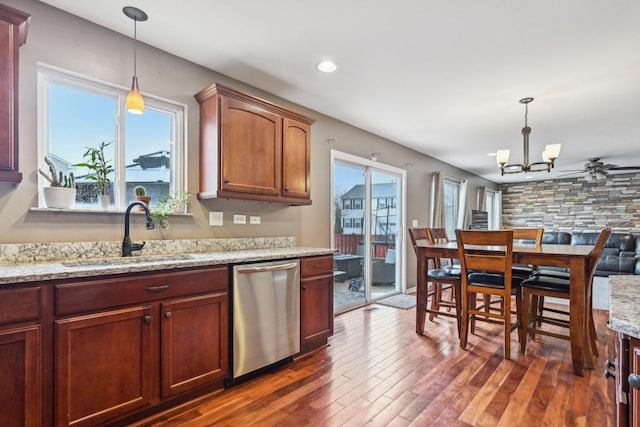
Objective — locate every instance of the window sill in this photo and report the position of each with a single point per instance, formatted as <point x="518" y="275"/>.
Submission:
<point x="98" y="211"/>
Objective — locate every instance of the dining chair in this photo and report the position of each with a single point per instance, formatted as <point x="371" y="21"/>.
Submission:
<point x="491" y="275"/>
<point x="539" y="286"/>
<point x="449" y="275"/>
<point x="522" y="271"/>
<point x="441" y="277"/>
<point x="528" y="235"/>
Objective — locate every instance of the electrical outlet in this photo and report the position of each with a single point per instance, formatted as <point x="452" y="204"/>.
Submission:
<point x="254" y="219"/>
<point x="414" y="223"/>
<point x="215" y="218"/>
<point x="239" y="219"/>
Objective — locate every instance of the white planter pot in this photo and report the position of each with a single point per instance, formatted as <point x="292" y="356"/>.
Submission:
<point x="59" y="197"/>
<point x="103" y="202"/>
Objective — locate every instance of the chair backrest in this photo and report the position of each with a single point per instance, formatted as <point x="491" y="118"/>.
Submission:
<point x="597" y="250"/>
<point x="495" y="261"/>
<point x="534" y="234"/>
<point x="416" y="234"/>
<point x="437" y="235"/>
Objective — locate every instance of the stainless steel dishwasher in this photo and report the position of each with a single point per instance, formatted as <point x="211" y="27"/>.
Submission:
<point x="266" y="315"/>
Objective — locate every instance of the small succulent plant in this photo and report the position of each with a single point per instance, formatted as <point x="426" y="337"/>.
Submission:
<point x="139" y="190"/>
<point x="57" y="179"/>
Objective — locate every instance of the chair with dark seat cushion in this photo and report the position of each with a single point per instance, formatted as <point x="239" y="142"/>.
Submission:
<point x="441" y="277"/>
<point x="542" y="285"/>
<point x="488" y="273"/>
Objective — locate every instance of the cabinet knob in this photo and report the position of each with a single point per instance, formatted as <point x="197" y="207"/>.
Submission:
<point x="610" y="369"/>
<point x="304" y="287"/>
<point x="147" y="319"/>
<point x="226" y="180"/>
<point x="286" y="188"/>
<point x="634" y="381"/>
<point x="167" y="315"/>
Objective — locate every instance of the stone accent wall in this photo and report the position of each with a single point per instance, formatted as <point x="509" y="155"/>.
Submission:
<point x="577" y="204"/>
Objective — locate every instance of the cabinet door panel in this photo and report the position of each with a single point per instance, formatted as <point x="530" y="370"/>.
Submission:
<point x="20" y="363"/>
<point x="296" y="159"/>
<point x="194" y="342"/>
<point x="103" y="365"/>
<point x="251" y="150"/>
<point x="13" y="33"/>
<point x="316" y="309"/>
<point x="634" y="394"/>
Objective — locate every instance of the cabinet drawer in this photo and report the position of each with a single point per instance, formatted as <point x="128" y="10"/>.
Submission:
<point x="316" y="266"/>
<point x="18" y="305"/>
<point x="99" y="294"/>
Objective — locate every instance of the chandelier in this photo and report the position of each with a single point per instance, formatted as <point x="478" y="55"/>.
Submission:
<point x="549" y="155"/>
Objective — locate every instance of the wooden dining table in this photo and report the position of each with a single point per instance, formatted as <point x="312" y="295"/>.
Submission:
<point x="575" y="257"/>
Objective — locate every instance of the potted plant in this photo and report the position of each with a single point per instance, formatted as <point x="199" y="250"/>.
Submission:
<point x="141" y="195"/>
<point x="170" y="205"/>
<point x="99" y="171"/>
<point x="61" y="194"/>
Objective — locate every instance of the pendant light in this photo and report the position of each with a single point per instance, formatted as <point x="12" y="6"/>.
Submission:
<point x="135" y="102"/>
<point x="549" y="155"/>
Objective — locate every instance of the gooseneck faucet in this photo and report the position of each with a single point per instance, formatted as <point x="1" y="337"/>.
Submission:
<point x="127" y="246"/>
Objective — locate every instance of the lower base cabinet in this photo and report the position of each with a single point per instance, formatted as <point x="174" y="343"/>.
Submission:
<point x="114" y="364"/>
<point x="316" y="302"/>
<point x="626" y="396"/>
<point x="21" y="390"/>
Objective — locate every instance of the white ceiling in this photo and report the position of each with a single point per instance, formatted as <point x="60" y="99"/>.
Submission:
<point x="441" y="77"/>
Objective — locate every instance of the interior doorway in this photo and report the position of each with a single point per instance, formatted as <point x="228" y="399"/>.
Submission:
<point x="368" y="230"/>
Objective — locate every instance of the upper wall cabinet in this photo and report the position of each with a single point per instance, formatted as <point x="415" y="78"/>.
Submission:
<point x="13" y="34"/>
<point x="251" y="149"/>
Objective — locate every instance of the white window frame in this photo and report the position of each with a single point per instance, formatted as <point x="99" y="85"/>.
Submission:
<point x="48" y="74"/>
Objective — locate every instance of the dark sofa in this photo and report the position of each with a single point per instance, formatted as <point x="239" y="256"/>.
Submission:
<point x="621" y="254"/>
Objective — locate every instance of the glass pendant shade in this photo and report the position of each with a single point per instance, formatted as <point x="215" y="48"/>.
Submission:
<point x="135" y="102"/>
<point x="502" y="157"/>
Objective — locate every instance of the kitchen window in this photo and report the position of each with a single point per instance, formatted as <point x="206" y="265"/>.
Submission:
<point x="451" y="200"/>
<point x="76" y="113"/>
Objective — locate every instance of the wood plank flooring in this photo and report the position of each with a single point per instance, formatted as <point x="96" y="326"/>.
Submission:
<point x="378" y="372"/>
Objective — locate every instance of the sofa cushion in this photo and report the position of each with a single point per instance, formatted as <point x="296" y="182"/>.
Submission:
<point x="556" y="237"/>
<point x="620" y="241"/>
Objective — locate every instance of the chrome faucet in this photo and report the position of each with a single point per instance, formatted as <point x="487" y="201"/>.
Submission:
<point x="127" y="246"/>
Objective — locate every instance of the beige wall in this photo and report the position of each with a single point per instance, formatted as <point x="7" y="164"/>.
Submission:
<point x="65" y="41"/>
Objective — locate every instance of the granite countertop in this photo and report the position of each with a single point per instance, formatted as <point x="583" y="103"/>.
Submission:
<point x="624" y="312"/>
<point x="41" y="262"/>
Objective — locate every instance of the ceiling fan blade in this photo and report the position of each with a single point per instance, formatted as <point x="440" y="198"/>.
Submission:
<point x="624" y="168"/>
<point x="570" y="173"/>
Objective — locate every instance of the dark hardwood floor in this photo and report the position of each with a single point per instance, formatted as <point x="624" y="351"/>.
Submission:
<point x="377" y="371"/>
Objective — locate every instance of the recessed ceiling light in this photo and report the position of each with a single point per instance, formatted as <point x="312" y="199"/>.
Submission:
<point x="327" y="66"/>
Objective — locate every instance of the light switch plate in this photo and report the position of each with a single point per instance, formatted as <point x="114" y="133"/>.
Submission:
<point x="414" y="223"/>
<point x="254" y="219"/>
<point x="216" y="218"/>
<point x="239" y="219"/>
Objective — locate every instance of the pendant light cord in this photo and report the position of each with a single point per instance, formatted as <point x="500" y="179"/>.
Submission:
<point x="135" y="38"/>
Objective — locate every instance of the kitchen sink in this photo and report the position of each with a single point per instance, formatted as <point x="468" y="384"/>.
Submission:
<point x="125" y="260"/>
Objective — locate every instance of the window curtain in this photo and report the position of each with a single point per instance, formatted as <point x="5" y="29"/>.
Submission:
<point x="463" y="205"/>
<point x="497" y="210"/>
<point x="482" y="198"/>
<point x="436" y="219"/>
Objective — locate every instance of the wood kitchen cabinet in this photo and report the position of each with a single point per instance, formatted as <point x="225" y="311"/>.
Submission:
<point x="14" y="26"/>
<point x="123" y="345"/>
<point x="626" y="369"/>
<point x="316" y="301"/>
<point x="20" y="357"/>
<point x="251" y="149"/>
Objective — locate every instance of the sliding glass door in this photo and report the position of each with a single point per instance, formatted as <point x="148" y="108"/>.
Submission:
<point x="368" y="230"/>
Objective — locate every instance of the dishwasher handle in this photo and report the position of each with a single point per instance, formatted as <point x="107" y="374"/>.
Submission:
<point x="277" y="267"/>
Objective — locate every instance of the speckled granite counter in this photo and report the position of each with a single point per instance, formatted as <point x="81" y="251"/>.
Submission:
<point x="28" y="262"/>
<point x="624" y="312"/>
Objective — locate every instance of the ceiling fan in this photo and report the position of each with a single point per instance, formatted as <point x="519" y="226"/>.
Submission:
<point x="597" y="169"/>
